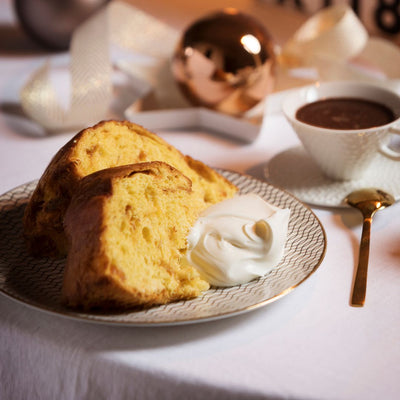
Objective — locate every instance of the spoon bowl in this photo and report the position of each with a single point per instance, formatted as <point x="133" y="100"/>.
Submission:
<point x="368" y="201"/>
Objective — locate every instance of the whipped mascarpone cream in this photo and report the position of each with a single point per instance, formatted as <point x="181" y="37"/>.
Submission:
<point x="238" y="240"/>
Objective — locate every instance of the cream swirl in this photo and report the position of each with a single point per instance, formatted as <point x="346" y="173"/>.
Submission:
<point x="238" y="240"/>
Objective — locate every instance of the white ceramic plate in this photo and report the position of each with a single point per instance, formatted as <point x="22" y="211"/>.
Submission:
<point x="295" y="171"/>
<point x="37" y="282"/>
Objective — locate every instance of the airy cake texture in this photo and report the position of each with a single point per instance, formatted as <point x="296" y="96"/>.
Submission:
<point x="105" y="145"/>
<point x="127" y="227"/>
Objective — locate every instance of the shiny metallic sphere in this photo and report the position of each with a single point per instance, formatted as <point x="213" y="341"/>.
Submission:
<point x="225" y="61"/>
<point x="52" y="22"/>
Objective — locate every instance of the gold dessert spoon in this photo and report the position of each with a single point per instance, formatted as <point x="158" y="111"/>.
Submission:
<point x="368" y="201"/>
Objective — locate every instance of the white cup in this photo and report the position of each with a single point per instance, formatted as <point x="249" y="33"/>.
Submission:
<point x="344" y="154"/>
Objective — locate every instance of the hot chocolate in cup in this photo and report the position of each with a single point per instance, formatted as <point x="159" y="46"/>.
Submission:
<point x="344" y="125"/>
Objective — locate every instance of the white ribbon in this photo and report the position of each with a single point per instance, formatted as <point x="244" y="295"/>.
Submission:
<point x="335" y="43"/>
<point x="91" y="67"/>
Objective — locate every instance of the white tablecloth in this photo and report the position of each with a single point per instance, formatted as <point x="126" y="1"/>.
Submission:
<point x="309" y="344"/>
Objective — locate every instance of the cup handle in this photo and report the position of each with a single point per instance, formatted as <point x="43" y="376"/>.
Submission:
<point x="387" y="151"/>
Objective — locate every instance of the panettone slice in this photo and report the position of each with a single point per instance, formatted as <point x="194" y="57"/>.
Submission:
<point x="127" y="228"/>
<point x="105" y="145"/>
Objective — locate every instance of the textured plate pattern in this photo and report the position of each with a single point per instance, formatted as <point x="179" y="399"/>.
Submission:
<point x="294" y="170"/>
<point x="37" y="282"/>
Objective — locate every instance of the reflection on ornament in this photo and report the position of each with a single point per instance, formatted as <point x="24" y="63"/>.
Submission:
<point x="51" y="22"/>
<point x="225" y="61"/>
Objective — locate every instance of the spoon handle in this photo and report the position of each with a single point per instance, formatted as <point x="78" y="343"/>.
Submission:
<point x="360" y="282"/>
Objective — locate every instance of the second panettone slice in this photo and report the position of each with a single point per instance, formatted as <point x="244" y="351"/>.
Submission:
<point x="127" y="228"/>
<point x="106" y="145"/>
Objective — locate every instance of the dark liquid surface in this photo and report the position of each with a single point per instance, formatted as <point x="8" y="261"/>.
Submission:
<point x="345" y="113"/>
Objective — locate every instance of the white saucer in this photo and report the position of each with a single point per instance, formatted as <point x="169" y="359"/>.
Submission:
<point x="296" y="172"/>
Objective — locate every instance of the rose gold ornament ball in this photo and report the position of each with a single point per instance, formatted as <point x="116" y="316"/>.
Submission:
<point x="225" y="61"/>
